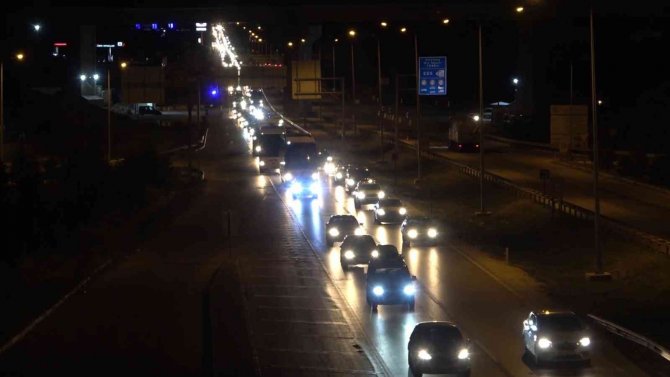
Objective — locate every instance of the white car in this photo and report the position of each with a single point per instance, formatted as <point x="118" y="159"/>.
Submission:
<point x="556" y="336"/>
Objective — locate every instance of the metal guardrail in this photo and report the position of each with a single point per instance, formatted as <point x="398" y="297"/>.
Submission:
<point x="558" y="205"/>
<point x="287" y="120"/>
<point x="633" y="337"/>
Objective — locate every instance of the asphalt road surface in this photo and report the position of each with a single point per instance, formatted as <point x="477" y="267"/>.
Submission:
<point x="144" y="315"/>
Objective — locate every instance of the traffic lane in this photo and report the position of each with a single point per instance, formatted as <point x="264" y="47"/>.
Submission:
<point x="389" y="329"/>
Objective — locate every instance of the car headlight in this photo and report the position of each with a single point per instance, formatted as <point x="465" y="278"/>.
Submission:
<point x="409" y="289"/>
<point x="350" y="182"/>
<point x="585" y="341"/>
<point x="381" y="212"/>
<point x="359" y="231"/>
<point x="262" y="163"/>
<point x="315" y="175"/>
<point x="412" y="233"/>
<point x="432" y="232"/>
<point x="402" y="211"/>
<point x="288" y="177"/>
<point x="338" y="175"/>
<point x="314" y="187"/>
<point x="334" y="232"/>
<point x="424" y="355"/>
<point x="375" y="253"/>
<point x="349" y="254"/>
<point x="296" y="187"/>
<point x="381" y="194"/>
<point x="360" y="195"/>
<point x="378" y="290"/>
<point x="258" y="148"/>
<point x="282" y="162"/>
<point x="463" y="354"/>
<point x="544" y="343"/>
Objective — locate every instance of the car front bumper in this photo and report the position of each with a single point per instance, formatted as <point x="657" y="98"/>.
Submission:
<point x="441" y="365"/>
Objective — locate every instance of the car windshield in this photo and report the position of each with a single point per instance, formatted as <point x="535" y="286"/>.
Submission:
<point x="359" y="242"/>
<point x="560" y="322"/>
<point x="369" y="187"/>
<point x="445" y="336"/>
<point x="345" y="221"/>
<point x="391" y="272"/>
<point x="390" y="203"/>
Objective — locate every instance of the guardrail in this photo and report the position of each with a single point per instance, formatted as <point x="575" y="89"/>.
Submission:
<point x="287" y="120"/>
<point x="557" y="205"/>
<point x="633" y="337"/>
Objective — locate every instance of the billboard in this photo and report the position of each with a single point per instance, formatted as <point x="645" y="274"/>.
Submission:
<point x="432" y="75"/>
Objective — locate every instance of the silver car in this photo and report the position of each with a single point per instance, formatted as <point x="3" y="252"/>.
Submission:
<point x="556" y="336"/>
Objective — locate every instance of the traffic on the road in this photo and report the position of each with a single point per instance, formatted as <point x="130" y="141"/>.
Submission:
<point x="361" y="233"/>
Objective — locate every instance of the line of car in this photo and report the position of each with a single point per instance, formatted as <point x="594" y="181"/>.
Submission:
<point x="434" y="346"/>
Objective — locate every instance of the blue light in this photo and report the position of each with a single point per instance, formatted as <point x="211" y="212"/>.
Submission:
<point x="154" y="26"/>
<point x="214" y="92"/>
<point x="138" y="26"/>
<point x="170" y="25"/>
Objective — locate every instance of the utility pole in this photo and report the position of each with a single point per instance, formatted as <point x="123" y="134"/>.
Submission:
<point x="353" y="87"/>
<point x="397" y="134"/>
<point x="109" y="117"/>
<point x="2" y="114"/>
<point x="594" y="113"/>
<point x="381" y="107"/>
<point x="482" y="207"/>
<point x="418" y="109"/>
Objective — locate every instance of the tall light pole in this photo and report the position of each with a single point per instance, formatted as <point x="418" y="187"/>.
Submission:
<point x="2" y="114"/>
<point x="109" y="117"/>
<point x="334" y="42"/>
<point x="352" y="34"/>
<point x="482" y="206"/>
<point x="379" y="84"/>
<point x="596" y="196"/>
<point x="418" y="109"/>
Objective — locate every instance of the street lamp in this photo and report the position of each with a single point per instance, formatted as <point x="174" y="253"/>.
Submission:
<point x="352" y="35"/>
<point x="515" y="81"/>
<point x="19" y="56"/>
<point x="445" y="21"/>
<point x="302" y="40"/>
<point x="519" y="9"/>
<point x="403" y="29"/>
<point x="37" y="27"/>
<point x="383" y="24"/>
<point x="290" y="44"/>
<point x="124" y="65"/>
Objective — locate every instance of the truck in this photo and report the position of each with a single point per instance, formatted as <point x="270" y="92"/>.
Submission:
<point x="268" y="145"/>
<point x="463" y="134"/>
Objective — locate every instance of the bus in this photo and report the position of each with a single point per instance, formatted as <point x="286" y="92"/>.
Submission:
<point x="269" y="145"/>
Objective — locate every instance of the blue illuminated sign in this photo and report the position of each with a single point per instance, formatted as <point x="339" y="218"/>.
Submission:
<point x="433" y="76"/>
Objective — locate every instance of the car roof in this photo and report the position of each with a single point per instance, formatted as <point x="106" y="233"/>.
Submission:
<point x="436" y="324"/>
<point x="420" y="219"/>
<point x="357" y="237"/>
<point x="549" y="313"/>
<point x="386" y="200"/>
<point x="341" y="217"/>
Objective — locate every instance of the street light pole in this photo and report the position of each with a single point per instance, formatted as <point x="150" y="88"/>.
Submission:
<point x="594" y="114"/>
<point x="418" y="109"/>
<point x="353" y="87"/>
<point x="482" y="207"/>
<point x="2" y="114"/>
<point x="379" y="84"/>
<point x="109" y="117"/>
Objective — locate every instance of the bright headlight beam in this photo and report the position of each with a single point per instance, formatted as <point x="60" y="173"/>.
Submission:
<point x="409" y="289"/>
<point x="378" y="290"/>
<point x="463" y="354"/>
<point x="544" y="343"/>
<point x="424" y="355"/>
<point x="432" y="232"/>
<point x="412" y="233"/>
<point x="402" y="211"/>
<point x="349" y="254"/>
<point x="375" y="253"/>
<point x="585" y="341"/>
<point x="334" y="232"/>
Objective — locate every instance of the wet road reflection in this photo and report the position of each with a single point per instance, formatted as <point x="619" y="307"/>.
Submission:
<point x="451" y="288"/>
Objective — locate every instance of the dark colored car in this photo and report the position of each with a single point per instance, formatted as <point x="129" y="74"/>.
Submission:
<point x="420" y="230"/>
<point x="438" y="348"/>
<point x="556" y="336"/>
<point x="389" y="211"/>
<point x="385" y="255"/>
<point x="390" y="283"/>
<point x="367" y="193"/>
<point x="340" y="226"/>
<point x="353" y="176"/>
<point x="357" y="250"/>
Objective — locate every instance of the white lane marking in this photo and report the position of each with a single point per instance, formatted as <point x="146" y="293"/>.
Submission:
<point x="18" y="337"/>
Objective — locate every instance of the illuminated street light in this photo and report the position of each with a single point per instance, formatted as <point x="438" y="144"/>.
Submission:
<point x="519" y="9"/>
<point x="302" y="40"/>
<point x="475" y="118"/>
<point x="124" y="64"/>
<point x="336" y="40"/>
<point x="19" y="56"/>
<point x="515" y="81"/>
<point x="96" y="77"/>
<point x="352" y="33"/>
<point x="259" y="28"/>
<point x="403" y="29"/>
<point x="384" y="24"/>
<point x="445" y="21"/>
<point x="260" y="39"/>
<point x="290" y="44"/>
<point x="600" y="102"/>
<point x="82" y="77"/>
<point x="37" y="27"/>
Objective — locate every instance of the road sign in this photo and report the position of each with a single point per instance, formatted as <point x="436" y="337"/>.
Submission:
<point x="432" y="75"/>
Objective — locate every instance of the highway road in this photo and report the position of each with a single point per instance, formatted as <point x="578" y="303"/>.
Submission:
<point x="144" y="315"/>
